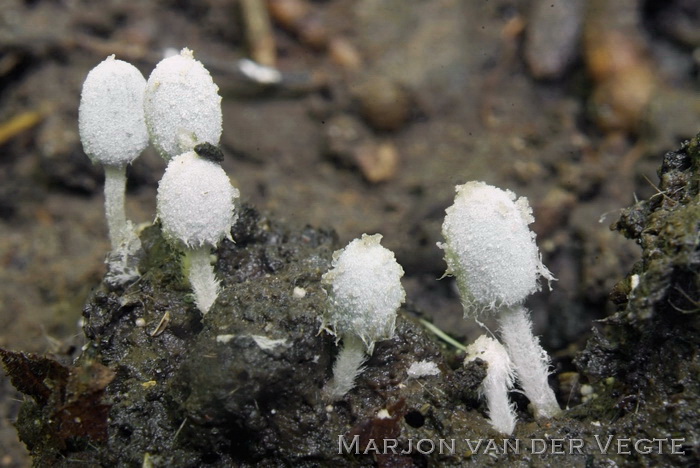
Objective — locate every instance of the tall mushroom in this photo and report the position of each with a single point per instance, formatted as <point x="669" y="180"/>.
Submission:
<point x="113" y="133"/>
<point x="491" y="251"/>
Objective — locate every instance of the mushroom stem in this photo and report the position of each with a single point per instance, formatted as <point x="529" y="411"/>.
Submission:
<point x="202" y="277"/>
<point x="530" y="360"/>
<point x="498" y="381"/>
<point x="347" y="366"/>
<point x="115" y="186"/>
<point x="122" y="262"/>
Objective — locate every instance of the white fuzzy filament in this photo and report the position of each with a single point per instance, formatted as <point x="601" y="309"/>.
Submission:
<point x="347" y="366"/>
<point x="498" y="382"/>
<point x="202" y="278"/>
<point x="530" y="360"/>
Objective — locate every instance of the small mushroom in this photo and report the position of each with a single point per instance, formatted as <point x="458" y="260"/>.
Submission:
<point x="196" y="209"/>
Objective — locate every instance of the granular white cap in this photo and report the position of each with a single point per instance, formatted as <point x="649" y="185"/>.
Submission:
<point x="196" y="201"/>
<point x="364" y="287"/>
<point x="489" y="247"/>
<point x="111" y="121"/>
<point x="182" y="105"/>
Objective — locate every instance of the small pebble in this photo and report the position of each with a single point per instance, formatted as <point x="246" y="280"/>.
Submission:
<point x="384" y="104"/>
<point x="302" y="20"/>
<point x="344" y="53"/>
<point x="288" y="13"/>
<point x="377" y="162"/>
<point x="313" y="31"/>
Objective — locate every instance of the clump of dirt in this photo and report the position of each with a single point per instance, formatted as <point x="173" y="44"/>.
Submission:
<point x="158" y="384"/>
<point x="645" y="362"/>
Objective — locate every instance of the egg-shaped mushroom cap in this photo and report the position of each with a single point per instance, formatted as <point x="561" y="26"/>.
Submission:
<point x="110" y="118"/>
<point x="490" y="249"/>
<point x="196" y="202"/>
<point x="364" y="290"/>
<point x="182" y="105"/>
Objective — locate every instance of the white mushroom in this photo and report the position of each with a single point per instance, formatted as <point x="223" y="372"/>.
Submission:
<point x="113" y="133"/>
<point x="196" y="208"/>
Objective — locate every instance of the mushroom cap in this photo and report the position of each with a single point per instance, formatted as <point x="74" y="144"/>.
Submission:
<point x="490" y="249"/>
<point x="196" y="202"/>
<point x="110" y="118"/>
<point x="365" y="292"/>
<point x="182" y="105"/>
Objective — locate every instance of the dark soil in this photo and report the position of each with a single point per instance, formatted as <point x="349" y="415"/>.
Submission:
<point x="214" y="390"/>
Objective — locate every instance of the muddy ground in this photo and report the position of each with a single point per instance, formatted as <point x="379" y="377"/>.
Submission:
<point x="384" y="106"/>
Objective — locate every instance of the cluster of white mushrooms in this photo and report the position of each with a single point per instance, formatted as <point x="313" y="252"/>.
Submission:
<point x="488" y="245"/>
<point x="178" y="109"/>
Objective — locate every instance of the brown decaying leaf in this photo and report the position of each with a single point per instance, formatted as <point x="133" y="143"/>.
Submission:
<point x="71" y="397"/>
<point x="34" y="375"/>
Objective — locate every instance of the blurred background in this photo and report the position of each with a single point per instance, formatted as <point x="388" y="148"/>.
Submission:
<point x="356" y="115"/>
